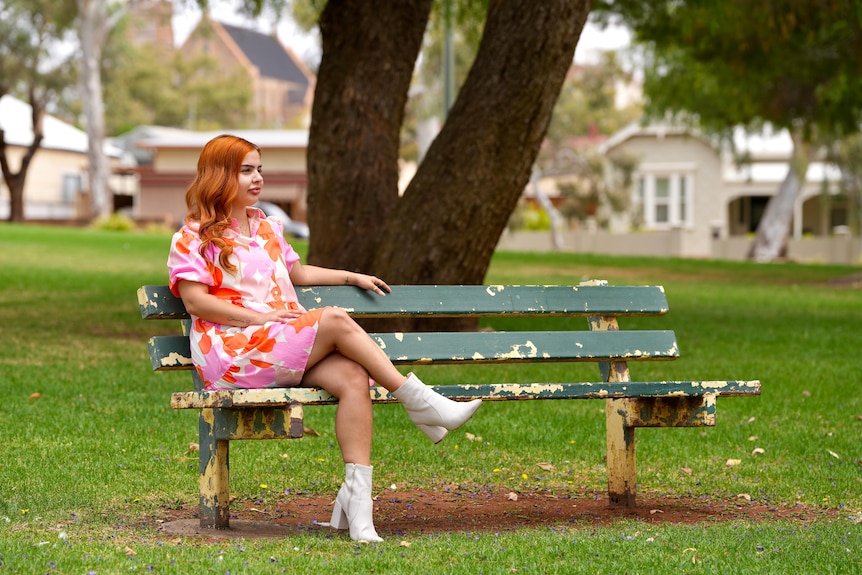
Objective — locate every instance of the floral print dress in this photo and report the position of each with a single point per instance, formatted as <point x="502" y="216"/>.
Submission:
<point x="274" y="354"/>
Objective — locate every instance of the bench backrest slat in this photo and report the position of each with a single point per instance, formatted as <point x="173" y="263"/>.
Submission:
<point x="172" y="352"/>
<point x="157" y="302"/>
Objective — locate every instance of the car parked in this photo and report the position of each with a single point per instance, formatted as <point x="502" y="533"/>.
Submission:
<point x="291" y="226"/>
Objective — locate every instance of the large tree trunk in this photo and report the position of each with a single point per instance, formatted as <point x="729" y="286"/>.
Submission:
<point x="369" y="51"/>
<point x="92" y="33"/>
<point x="446" y="226"/>
<point x="773" y="231"/>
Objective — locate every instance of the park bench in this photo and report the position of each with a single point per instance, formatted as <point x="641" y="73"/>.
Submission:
<point x="278" y="412"/>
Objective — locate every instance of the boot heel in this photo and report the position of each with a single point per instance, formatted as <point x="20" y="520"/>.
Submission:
<point x="435" y="433"/>
<point x="339" y="517"/>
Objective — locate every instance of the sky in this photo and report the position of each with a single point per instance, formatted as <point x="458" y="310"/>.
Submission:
<point x="305" y="45"/>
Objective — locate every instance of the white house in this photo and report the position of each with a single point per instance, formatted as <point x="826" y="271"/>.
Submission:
<point x="56" y="180"/>
<point x="693" y="199"/>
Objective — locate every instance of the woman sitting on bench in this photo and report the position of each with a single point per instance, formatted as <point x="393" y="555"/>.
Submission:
<point x="236" y="274"/>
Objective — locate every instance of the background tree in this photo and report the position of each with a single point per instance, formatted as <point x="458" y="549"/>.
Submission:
<point x="92" y="32"/>
<point x="29" y="31"/>
<point x="182" y="91"/>
<point x="587" y="104"/>
<point x="793" y="64"/>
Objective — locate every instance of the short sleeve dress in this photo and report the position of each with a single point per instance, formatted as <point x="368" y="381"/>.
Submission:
<point x="274" y="354"/>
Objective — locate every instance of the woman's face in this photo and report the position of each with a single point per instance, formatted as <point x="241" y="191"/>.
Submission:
<point x="250" y="181"/>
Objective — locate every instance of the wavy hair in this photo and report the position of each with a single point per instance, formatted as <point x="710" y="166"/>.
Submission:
<point x="210" y="196"/>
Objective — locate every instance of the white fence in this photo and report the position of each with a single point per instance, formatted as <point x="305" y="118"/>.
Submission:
<point x="839" y="249"/>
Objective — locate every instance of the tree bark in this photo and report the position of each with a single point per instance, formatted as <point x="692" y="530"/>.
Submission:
<point x="92" y="34"/>
<point x="773" y="231"/>
<point x="369" y="52"/>
<point x="446" y="226"/>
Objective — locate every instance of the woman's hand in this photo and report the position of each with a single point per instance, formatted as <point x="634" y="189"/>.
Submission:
<point x="308" y="275"/>
<point x="370" y="283"/>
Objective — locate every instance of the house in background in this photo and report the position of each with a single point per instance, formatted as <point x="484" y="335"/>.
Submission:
<point x="282" y="85"/>
<point x="173" y="161"/>
<point x="56" y="184"/>
<point x="691" y="198"/>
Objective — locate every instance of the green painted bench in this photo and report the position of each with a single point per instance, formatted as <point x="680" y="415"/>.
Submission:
<point x="278" y="413"/>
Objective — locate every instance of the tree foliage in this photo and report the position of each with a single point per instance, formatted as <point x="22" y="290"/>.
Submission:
<point x="182" y="91"/>
<point x="793" y="64"/>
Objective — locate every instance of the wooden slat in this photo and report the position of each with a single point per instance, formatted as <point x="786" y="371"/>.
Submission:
<point x="157" y="302"/>
<point x="172" y="352"/>
<point x="464" y="392"/>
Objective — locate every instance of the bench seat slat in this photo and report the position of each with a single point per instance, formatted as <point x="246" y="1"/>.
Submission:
<point x="491" y="392"/>
<point x="172" y="352"/>
<point x="157" y="302"/>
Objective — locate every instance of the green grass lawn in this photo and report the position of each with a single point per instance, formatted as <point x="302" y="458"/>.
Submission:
<point x="91" y="455"/>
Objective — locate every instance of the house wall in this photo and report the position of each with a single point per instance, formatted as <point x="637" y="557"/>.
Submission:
<point x="163" y="186"/>
<point x="682" y="154"/>
<point x="44" y="196"/>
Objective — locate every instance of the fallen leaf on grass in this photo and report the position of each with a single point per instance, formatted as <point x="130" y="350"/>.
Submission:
<point x="745" y="496"/>
<point x="758" y="451"/>
<point x="654" y="511"/>
<point x="310" y="431"/>
<point x="546" y="466"/>
<point x="35" y="395"/>
<point x="194" y="447"/>
<point x="833" y="454"/>
<point x="472" y="437"/>
<point x="686" y="470"/>
<point x="405" y="544"/>
<point x="129" y="551"/>
<point x="732" y="462"/>
<point x="806" y="393"/>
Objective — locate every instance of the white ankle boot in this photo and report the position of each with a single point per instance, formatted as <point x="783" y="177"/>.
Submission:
<point x="353" y="506"/>
<point x="432" y="413"/>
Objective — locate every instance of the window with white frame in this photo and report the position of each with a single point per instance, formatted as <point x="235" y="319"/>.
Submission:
<point x="665" y="199"/>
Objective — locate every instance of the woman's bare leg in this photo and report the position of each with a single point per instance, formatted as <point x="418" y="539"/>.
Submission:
<point x="348" y="381"/>
<point x="338" y="332"/>
<point x="434" y="414"/>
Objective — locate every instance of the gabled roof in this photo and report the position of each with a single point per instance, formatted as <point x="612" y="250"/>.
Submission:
<point x="267" y="54"/>
<point x="16" y="122"/>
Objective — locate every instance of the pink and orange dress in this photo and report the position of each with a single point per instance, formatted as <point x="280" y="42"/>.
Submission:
<point x="273" y="354"/>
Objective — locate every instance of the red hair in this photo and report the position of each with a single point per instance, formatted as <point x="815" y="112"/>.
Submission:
<point x="212" y="192"/>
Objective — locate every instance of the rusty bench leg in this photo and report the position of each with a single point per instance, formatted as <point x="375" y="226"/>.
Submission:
<point x="214" y="474"/>
<point x="622" y="471"/>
